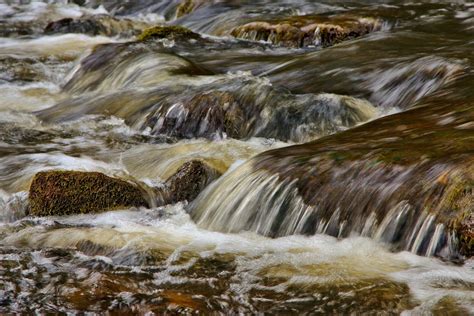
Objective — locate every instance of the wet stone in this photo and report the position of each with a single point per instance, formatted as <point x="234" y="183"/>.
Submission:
<point x="307" y="30"/>
<point x="73" y="192"/>
<point x="188" y="181"/>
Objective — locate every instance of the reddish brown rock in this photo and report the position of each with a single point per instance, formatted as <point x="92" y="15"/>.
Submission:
<point x="307" y="30"/>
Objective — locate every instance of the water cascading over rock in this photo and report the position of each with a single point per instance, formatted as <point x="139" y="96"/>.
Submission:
<point x="303" y="31"/>
<point x="409" y="184"/>
<point x="196" y="103"/>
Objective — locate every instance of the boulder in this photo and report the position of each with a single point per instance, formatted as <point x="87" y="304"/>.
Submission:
<point x="307" y="30"/>
<point x="54" y="193"/>
<point x="190" y="179"/>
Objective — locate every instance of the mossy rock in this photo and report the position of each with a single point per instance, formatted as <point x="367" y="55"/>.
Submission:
<point x="167" y="31"/>
<point x="55" y="192"/>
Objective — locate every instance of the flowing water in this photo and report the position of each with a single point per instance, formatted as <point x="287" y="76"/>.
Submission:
<point x="267" y="236"/>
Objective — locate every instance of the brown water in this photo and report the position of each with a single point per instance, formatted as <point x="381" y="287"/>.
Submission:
<point x="118" y="109"/>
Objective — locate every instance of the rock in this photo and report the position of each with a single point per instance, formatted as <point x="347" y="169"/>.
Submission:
<point x="208" y="114"/>
<point x="187" y="182"/>
<point x="190" y="179"/>
<point x="307" y="30"/>
<point x="97" y="25"/>
<point x="54" y="193"/>
<point x="167" y="31"/>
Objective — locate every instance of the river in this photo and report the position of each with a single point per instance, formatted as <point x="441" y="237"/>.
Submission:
<point x="344" y="161"/>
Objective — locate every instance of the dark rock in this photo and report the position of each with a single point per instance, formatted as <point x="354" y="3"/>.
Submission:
<point x="307" y="30"/>
<point x="190" y="179"/>
<point x="54" y="193"/>
<point x="186" y="183"/>
<point x="97" y="25"/>
<point x="210" y="113"/>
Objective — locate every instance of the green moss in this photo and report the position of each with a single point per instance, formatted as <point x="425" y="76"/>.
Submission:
<point x="167" y="31"/>
<point x="56" y="192"/>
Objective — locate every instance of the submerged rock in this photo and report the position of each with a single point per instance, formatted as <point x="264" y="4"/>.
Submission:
<point x="54" y="193"/>
<point x="97" y="25"/>
<point x="167" y="31"/>
<point x="406" y="179"/>
<point x="186" y="184"/>
<point x="307" y="30"/>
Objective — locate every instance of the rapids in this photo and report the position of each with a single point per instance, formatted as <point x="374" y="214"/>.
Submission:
<point x="347" y="171"/>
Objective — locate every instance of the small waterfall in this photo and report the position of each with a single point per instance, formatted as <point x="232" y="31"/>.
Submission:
<point x="252" y="199"/>
<point x="232" y="105"/>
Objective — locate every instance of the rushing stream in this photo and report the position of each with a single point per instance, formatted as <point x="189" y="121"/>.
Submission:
<point x="344" y="159"/>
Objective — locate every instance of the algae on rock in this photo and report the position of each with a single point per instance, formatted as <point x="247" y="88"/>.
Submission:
<point x="167" y="31"/>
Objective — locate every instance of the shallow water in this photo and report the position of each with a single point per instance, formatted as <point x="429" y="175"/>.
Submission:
<point x="62" y="108"/>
